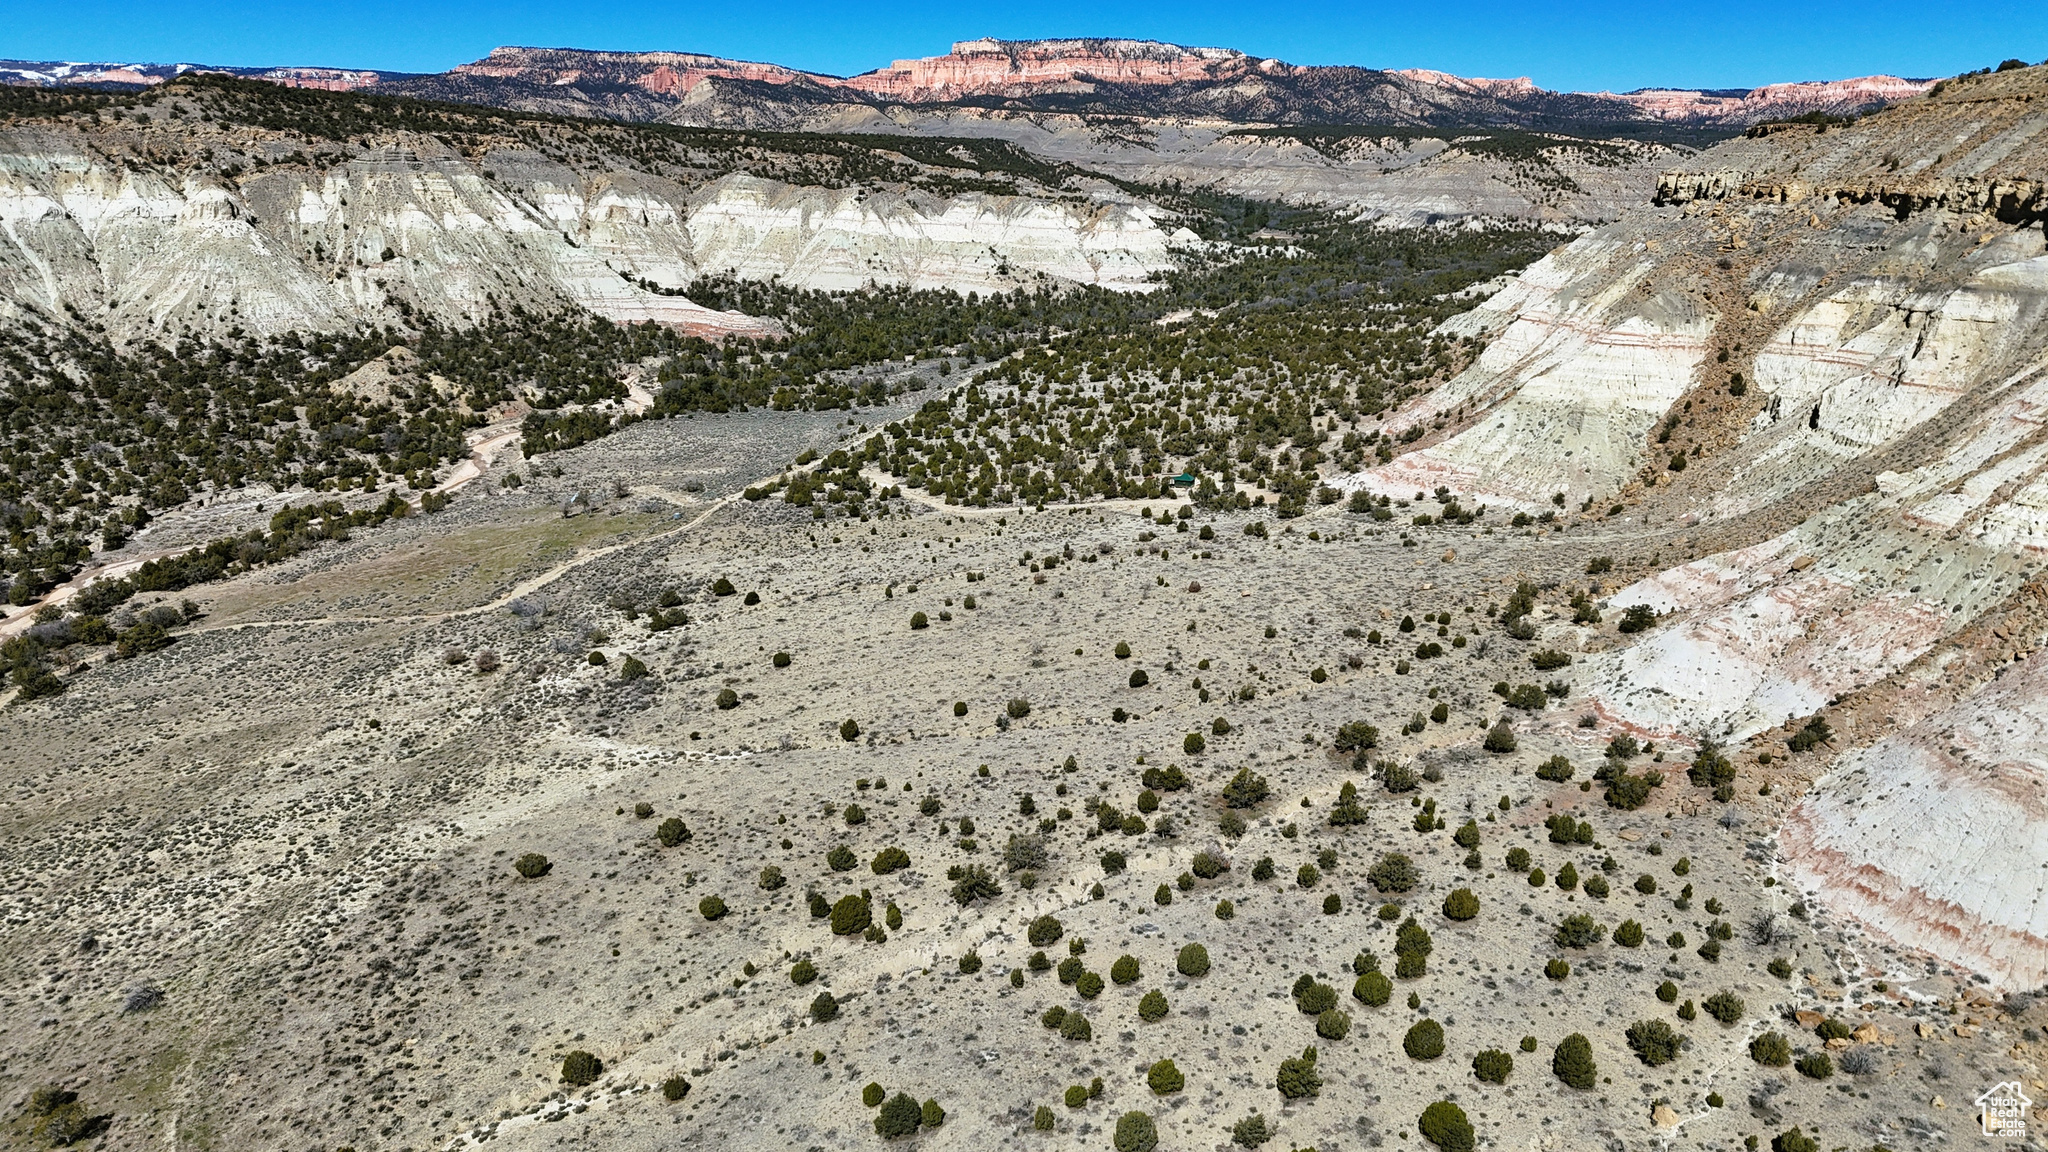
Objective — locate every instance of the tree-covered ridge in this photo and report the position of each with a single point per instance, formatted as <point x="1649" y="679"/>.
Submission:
<point x="1244" y="371"/>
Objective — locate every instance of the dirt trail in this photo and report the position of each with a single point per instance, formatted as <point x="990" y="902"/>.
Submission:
<point x="525" y="587"/>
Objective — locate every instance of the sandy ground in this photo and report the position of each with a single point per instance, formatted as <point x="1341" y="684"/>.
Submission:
<point x="298" y="823"/>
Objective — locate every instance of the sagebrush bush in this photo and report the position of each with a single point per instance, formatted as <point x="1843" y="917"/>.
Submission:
<point x="533" y="866"/>
<point x="711" y="908"/>
<point x="1444" y="1125"/>
<point x="1572" y="1062"/>
<point x="1333" y="1024"/>
<point x="851" y="915"/>
<point x="1192" y="960"/>
<point x="1393" y="872"/>
<point x="1135" y="1132"/>
<point x="1461" y="904"/>
<point x="1125" y="970"/>
<point x="824" y="1009"/>
<point x="1152" y="1006"/>
<point x="580" y="1068"/>
<point x="674" y="1088"/>
<point x="1297" y="1077"/>
<point x="1163" y="1078"/>
<point x="1726" y="1007"/>
<point x="1493" y="1066"/>
<point x="1424" y="1041"/>
<point x="1373" y="990"/>
<point x="890" y="859"/>
<point x="1653" y="1042"/>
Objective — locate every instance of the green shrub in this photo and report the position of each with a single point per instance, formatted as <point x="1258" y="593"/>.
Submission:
<point x="1653" y="1042"/>
<point x="973" y="882"/>
<point x="1225" y="910"/>
<point x="1667" y="992"/>
<point x="1461" y="904"/>
<point x="824" y="1009"/>
<point x="1307" y="876"/>
<point x="1313" y="998"/>
<point x="1637" y="618"/>
<point x="1333" y="1024"/>
<point x="855" y="815"/>
<point x="1833" y="1028"/>
<point x="1135" y="1132"/>
<point x="1771" y="1050"/>
<point x="1208" y="865"/>
<point x="771" y="878"/>
<point x="1815" y="1066"/>
<point x="1424" y="1041"/>
<point x="1500" y="738"/>
<point x="1579" y="931"/>
<point x="1125" y="970"/>
<point x="1444" y="1125"/>
<point x="711" y="908"/>
<point x="1726" y="1007"/>
<point x="802" y="972"/>
<point x="899" y="1116"/>
<point x="1162" y="896"/>
<point x="931" y="1113"/>
<point x="890" y="859"/>
<point x="1373" y="990"/>
<point x="1793" y="1140"/>
<point x="1250" y="1132"/>
<point x="533" y="866"/>
<point x="671" y="832"/>
<point x="1493" y="1066"/>
<point x="1517" y="860"/>
<point x="1076" y="1027"/>
<point x="1089" y="985"/>
<point x="580" y="1068"/>
<point x="851" y="915"/>
<point x="1164" y="1079"/>
<point x="632" y="668"/>
<point x="918" y="621"/>
<point x="1393" y="872"/>
<point x="674" y="1088"/>
<point x="1017" y="709"/>
<point x="1152" y="1006"/>
<point x="1779" y="967"/>
<point x="1245" y="789"/>
<point x="1192" y="960"/>
<point x="1596" y="887"/>
<point x="1557" y="969"/>
<point x="849" y="730"/>
<point x="873" y="1095"/>
<point x="1557" y="770"/>
<point x="1043" y="1120"/>
<point x="1646" y="884"/>
<point x="1071" y="969"/>
<point x="1297" y="1077"/>
<point x="1572" y="1062"/>
<point x="1263" y="870"/>
<point x="1467" y="835"/>
<point x="1629" y="934"/>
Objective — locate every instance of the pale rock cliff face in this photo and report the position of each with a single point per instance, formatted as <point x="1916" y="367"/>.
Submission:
<point x="838" y="239"/>
<point x="1935" y="836"/>
<point x="301" y="248"/>
<point x="1880" y="486"/>
<point x="1576" y="375"/>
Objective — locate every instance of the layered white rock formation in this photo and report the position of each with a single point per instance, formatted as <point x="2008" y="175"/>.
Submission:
<point x="1578" y="371"/>
<point x="413" y="225"/>
<point x="1937" y="836"/>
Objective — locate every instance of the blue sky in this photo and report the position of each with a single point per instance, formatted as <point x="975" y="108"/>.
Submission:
<point x="1580" y="46"/>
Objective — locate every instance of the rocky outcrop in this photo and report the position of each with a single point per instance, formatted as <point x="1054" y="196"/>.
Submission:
<point x="1826" y="352"/>
<point x="414" y="226"/>
<point x="1022" y="68"/>
<point x="1935" y="835"/>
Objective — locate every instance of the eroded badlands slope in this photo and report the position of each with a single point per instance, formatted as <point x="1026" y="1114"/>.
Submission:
<point x="181" y="213"/>
<point x="1824" y="352"/>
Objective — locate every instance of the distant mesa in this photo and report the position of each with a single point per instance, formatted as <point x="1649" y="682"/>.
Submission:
<point x="1132" y="77"/>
